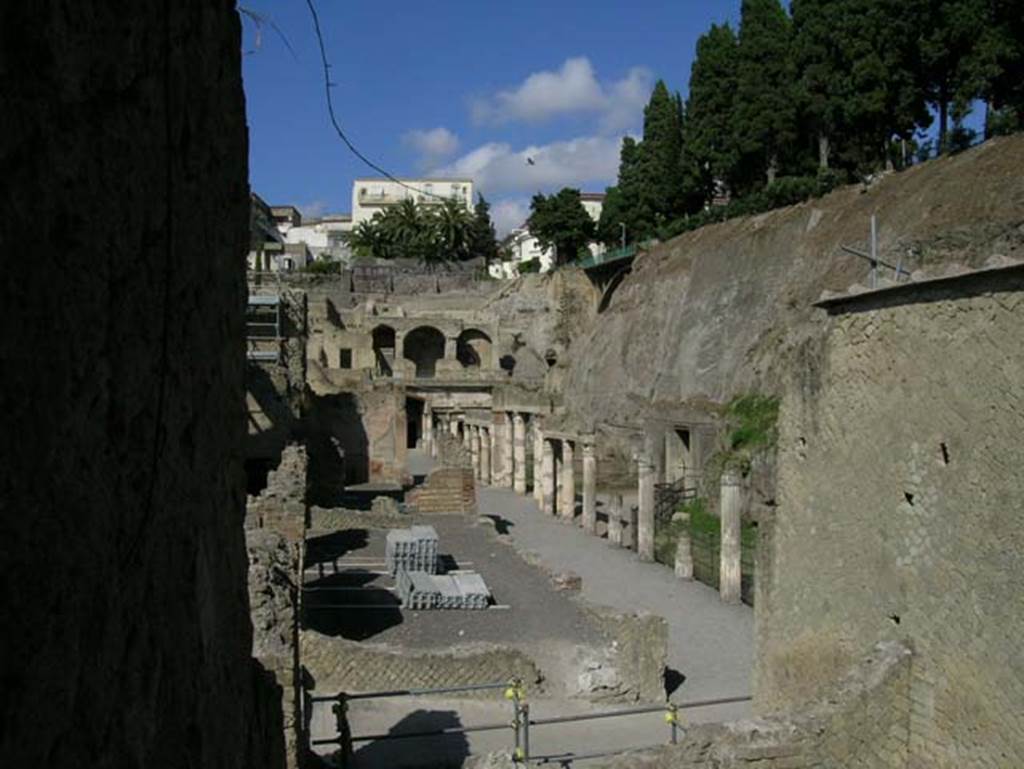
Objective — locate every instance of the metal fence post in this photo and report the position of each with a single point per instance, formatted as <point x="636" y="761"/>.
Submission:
<point x="672" y="718"/>
<point x="525" y="711"/>
<point x="344" y="732"/>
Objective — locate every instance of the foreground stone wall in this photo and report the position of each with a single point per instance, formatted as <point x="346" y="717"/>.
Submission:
<point x="861" y="722"/>
<point x="127" y="640"/>
<point x="899" y="495"/>
<point x="339" y="665"/>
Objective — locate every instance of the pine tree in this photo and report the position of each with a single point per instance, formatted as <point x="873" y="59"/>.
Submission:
<point x="999" y="68"/>
<point x="824" y="67"/>
<point x="661" y="154"/>
<point x="950" y="50"/>
<point x="709" y="152"/>
<point x="482" y="239"/>
<point x="765" y="118"/>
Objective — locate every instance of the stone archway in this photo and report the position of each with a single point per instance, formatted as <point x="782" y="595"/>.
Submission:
<point x="424" y="346"/>
<point x="384" y="349"/>
<point x="474" y="349"/>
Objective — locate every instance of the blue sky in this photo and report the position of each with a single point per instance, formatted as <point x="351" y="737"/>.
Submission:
<point x="456" y="87"/>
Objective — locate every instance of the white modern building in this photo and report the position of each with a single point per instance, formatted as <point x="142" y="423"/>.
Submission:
<point x="371" y="195"/>
<point x="323" y="235"/>
<point x="524" y="247"/>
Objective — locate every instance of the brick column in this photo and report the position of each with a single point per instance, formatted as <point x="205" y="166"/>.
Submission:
<point x="485" y="455"/>
<point x="547" y="504"/>
<point x="428" y="428"/>
<point x="492" y="436"/>
<point x="519" y="452"/>
<point x="567" y="503"/>
<point x="589" y="488"/>
<point x="729" y="510"/>
<point x="645" y="503"/>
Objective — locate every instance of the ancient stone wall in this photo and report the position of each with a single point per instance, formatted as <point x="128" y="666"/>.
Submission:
<point x="899" y="496"/>
<point x="282" y="505"/>
<point x="860" y="722"/>
<point x="127" y="640"/>
<point x="339" y="665"/>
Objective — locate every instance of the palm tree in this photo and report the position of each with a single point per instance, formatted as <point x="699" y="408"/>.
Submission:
<point x="453" y="229"/>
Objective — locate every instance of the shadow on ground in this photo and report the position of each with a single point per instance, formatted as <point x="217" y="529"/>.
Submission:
<point x="439" y="751"/>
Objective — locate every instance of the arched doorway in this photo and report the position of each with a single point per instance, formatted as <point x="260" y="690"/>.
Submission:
<point x="424" y="346"/>
<point x="473" y="349"/>
<point x="383" y="350"/>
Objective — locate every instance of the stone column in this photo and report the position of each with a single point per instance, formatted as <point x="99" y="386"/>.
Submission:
<point x="474" y="448"/>
<point x="507" y="461"/>
<point x="645" y="503"/>
<point x="453" y="426"/>
<point x="547" y="472"/>
<point x="492" y="435"/>
<point x="684" y="550"/>
<point x="729" y="510"/>
<point x="485" y="456"/>
<point x="467" y="436"/>
<point x="538" y="463"/>
<point x="519" y="452"/>
<point x="451" y="346"/>
<point x="589" y="488"/>
<point x="567" y="503"/>
<point x="428" y="429"/>
<point x="615" y="519"/>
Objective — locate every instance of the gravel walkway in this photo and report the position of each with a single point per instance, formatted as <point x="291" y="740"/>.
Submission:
<point x="711" y="644"/>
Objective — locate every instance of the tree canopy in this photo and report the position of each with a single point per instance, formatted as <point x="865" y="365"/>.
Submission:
<point x="561" y="222"/>
<point x="432" y="232"/>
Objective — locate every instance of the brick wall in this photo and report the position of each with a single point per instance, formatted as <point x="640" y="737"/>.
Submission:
<point x="446" y="490"/>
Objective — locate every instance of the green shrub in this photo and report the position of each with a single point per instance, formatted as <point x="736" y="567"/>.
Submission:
<point x="323" y="267"/>
<point x="752" y="419"/>
<point x="530" y="265"/>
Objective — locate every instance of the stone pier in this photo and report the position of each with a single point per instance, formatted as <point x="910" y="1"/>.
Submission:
<point x="485" y="455"/>
<point x="684" y="550"/>
<point x="567" y="500"/>
<point x="630" y="534"/>
<point x="615" y="520"/>
<point x="474" y="448"/>
<point x="519" y="452"/>
<point x="589" y="521"/>
<point x="645" y="504"/>
<point x="538" y="461"/>
<point x="729" y="587"/>
<point x="547" y="473"/>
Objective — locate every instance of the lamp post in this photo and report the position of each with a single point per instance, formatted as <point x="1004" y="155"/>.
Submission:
<point x="623" y="226"/>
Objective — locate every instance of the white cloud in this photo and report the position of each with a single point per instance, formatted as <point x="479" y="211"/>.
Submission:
<point x="498" y="169"/>
<point x="572" y="89"/>
<point x="508" y="214"/>
<point x="433" y="146"/>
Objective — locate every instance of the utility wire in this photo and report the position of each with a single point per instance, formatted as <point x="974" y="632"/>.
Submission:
<point x="334" y="120"/>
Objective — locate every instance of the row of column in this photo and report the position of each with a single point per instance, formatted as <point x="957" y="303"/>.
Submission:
<point x="499" y="455"/>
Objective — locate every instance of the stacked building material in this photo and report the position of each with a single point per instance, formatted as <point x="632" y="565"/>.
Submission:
<point x="412" y="549"/>
<point x="417" y="590"/>
<point x="472" y="589"/>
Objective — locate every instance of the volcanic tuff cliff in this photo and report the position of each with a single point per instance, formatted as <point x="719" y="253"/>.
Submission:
<point x="727" y="308"/>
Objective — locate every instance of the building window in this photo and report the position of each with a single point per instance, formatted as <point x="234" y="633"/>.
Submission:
<point x="344" y="358"/>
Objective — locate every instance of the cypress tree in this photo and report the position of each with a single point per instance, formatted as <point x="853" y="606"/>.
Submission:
<point x="661" y="154"/>
<point x="710" y="154"/>
<point x="765" y="118"/>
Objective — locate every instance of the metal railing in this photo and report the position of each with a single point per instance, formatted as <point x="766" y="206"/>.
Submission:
<point x="520" y="725"/>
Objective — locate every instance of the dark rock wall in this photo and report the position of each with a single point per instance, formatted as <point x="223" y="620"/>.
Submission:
<point x="126" y="639"/>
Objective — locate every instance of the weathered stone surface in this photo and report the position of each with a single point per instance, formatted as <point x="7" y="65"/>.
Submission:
<point x="639" y="646"/>
<point x="384" y="506"/>
<point x="729" y="308"/>
<point x="127" y="640"/>
<point x="339" y="665"/>
<point x="567" y="580"/>
<point x="898" y="515"/>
